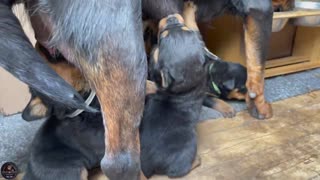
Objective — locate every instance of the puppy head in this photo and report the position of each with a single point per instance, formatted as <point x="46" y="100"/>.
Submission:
<point x="227" y="80"/>
<point x="282" y="5"/>
<point x="177" y="62"/>
<point x="39" y="105"/>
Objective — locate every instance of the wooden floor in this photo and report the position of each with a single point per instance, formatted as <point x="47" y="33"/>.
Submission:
<point x="284" y="147"/>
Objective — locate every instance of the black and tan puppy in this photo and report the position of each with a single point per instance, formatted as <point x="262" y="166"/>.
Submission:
<point x="167" y="132"/>
<point x="68" y="143"/>
<point x="227" y="80"/>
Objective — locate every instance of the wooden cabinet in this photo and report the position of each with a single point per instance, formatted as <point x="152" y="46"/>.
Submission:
<point x="292" y="49"/>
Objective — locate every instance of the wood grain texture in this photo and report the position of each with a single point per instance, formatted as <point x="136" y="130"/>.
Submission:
<point x="284" y="147"/>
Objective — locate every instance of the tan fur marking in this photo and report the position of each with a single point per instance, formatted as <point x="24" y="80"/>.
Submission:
<point x="35" y="101"/>
<point x="68" y="72"/>
<point x="151" y="88"/>
<point x="162" y="24"/>
<point x="235" y="94"/>
<point x="38" y="110"/>
<point x="185" y="28"/>
<point x="189" y="15"/>
<point x="164" y="34"/>
<point x="84" y="174"/>
<point x="156" y="55"/>
<point x="255" y="81"/>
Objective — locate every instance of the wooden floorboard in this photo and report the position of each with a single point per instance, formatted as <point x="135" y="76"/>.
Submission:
<point x="286" y="146"/>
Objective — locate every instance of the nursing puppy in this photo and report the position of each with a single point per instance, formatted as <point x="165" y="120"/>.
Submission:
<point x="167" y="132"/>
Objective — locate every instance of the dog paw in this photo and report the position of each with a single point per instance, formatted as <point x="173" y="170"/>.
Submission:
<point x="228" y="112"/>
<point x="124" y="166"/>
<point x="258" y="108"/>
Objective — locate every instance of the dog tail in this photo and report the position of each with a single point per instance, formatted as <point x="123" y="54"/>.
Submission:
<point x="18" y="57"/>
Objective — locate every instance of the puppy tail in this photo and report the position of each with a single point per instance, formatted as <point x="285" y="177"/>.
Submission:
<point x="18" y="57"/>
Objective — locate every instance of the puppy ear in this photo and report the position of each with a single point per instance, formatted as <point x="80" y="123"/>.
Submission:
<point x="229" y="84"/>
<point x="166" y="79"/>
<point x="35" y="110"/>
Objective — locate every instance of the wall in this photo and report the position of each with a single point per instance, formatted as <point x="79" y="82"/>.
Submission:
<point x="14" y="94"/>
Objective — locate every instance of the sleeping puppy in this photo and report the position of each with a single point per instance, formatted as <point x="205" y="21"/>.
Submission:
<point x="167" y="132"/>
<point x="226" y="80"/>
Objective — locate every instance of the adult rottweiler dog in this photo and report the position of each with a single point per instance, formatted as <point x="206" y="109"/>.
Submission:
<point x="167" y="132"/>
<point x="257" y="18"/>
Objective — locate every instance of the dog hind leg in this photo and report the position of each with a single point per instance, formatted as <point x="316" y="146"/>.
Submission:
<point x="19" y="58"/>
<point x="257" y="25"/>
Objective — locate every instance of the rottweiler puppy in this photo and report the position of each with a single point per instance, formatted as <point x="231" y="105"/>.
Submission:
<point x="68" y="143"/>
<point x="167" y="132"/>
<point x="19" y="58"/>
<point x="226" y="80"/>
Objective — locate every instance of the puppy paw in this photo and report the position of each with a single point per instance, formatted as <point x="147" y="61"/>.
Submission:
<point x="190" y="6"/>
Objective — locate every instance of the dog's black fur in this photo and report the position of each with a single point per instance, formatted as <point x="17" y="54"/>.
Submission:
<point x="167" y="131"/>
<point x="228" y="77"/>
<point x="65" y="148"/>
<point x="19" y="58"/>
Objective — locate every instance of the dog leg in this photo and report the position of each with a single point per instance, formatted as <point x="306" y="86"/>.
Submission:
<point x="104" y="39"/>
<point x="257" y="26"/>
<point x="19" y="58"/>
<point x="189" y="15"/>
<point x="217" y="104"/>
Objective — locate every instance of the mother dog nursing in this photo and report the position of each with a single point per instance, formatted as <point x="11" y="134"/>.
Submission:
<point x="104" y="39"/>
